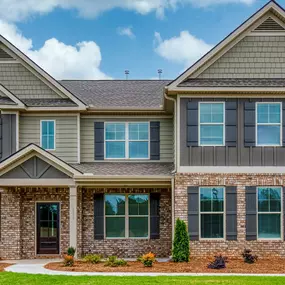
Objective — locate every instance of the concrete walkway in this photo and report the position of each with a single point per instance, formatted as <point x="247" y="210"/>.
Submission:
<point x="36" y="266"/>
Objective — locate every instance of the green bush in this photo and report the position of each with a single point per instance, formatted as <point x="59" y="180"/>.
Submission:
<point x="181" y="251"/>
<point x="113" y="261"/>
<point x="92" y="258"/>
<point x="71" y="251"/>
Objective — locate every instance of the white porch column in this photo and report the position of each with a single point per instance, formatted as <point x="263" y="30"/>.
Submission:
<point x="73" y="217"/>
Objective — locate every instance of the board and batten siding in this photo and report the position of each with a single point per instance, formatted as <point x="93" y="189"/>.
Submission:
<point x="66" y="135"/>
<point x="87" y="137"/>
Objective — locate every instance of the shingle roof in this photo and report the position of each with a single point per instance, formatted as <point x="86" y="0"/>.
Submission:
<point x="49" y="102"/>
<point x="126" y="168"/>
<point x="6" y="101"/>
<point x="117" y="94"/>
<point x="233" y="82"/>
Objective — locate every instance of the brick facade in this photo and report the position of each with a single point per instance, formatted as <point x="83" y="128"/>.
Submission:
<point x="230" y="248"/>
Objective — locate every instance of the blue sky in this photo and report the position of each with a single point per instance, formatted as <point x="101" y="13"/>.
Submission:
<point x="139" y="39"/>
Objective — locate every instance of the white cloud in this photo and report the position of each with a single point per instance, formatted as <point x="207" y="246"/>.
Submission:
<point x="81" y="61"/>
<point x="16" y="10"/>
<point x="184" y="49"/>
<point x="126" y="31"/>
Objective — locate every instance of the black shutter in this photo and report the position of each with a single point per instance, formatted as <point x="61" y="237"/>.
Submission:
<point x="231" y="123"/>
<point x="231" y="212"/>
<point x="193" y="212"/>
<point x="154" y="216"/>
<point x="192" y="123"/>
<point x="155" y="140"/>
<point x="249" y="124"/>
<point x="251" y="212"/>
<point x="283" y="122"/>
<point x="99" y="140"/>
<point x="99" y="216"/>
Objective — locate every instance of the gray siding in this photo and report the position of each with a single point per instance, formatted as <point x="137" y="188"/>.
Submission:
<point x="252" y="57"/>
<point x="87" y="137"/>
<point x="227" y="156"/>
<point x="66" y="134"/>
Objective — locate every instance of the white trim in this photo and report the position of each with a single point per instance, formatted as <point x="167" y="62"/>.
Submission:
<point x="78" y="139"/>
<point x="10" y="61"/>
<point x="267" y="124"/>
<point x="267" y="34"/>
<point x="7" y="182"/>
<point x="223" y="123"/>
<point x="54" y="137"/>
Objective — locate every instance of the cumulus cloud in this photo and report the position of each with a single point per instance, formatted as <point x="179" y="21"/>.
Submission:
<point x="81" y="61"/>
<point x="126" y="31"/>
<point x="15" y="10"/>
<point x="184" y="49"/>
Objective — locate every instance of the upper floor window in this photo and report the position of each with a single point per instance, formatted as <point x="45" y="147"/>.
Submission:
<point x="48" y="135"/>
<point x="127" y="140"/>
<point x="211" y="124"/>
<point x="268" y="124"/>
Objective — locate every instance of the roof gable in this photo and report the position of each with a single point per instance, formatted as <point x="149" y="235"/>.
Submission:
<point x="9" y="100"/>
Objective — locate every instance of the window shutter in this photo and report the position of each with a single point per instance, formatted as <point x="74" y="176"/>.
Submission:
<point x="231" y="123"/>
<point x="251" y="212"/>
<point x="99" y="140"/>
<point x="154" y="216"/>
<point x="231" y="212"/>
<point x="283" y="123"/>
<point x="192" y="123"/>
<point x="193" y="212"/>
<point x="249" y="124"/>
<point x="155" y="140"/>
<point x="99" y="216"/>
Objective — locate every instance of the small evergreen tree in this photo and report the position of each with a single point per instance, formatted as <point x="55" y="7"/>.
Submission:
<point x="181" y="251"/>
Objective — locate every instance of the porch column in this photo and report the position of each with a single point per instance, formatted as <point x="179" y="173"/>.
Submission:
<point x="73" y="217"/>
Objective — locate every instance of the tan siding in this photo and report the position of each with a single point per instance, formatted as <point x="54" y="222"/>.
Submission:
<point x="87" y="138"/>
<point x="253" y="57"/>
<point x="66" y="135"/>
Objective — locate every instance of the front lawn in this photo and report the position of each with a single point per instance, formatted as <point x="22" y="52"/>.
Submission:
<point x="19" y="279"/>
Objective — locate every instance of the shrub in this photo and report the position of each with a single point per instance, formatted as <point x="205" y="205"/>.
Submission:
<point x="71" y="251"/>
<point x="68" y="260"/>
<point x="148" y="259"/>
<point x="248" y="257"/>
<point x="218" y="263"/>
<point x="181" y="251"/>
<point x="113" y="261"/>
<point x="93" y="258"/>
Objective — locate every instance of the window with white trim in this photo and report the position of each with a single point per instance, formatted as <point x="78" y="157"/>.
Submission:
<point x="269" y="212"/>
<point x="127" y="140"/>
<point x="212" y="212"/>
<point x="48" y="134"/>
<point x="211" y="124"/>
<point x="268" y="124"/>
<point x="127" y="215"/>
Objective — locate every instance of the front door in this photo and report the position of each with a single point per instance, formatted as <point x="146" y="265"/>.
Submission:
<point x="48" y="228"/>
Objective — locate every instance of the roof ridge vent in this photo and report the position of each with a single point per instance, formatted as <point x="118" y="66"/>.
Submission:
<point x="269" y="25"/>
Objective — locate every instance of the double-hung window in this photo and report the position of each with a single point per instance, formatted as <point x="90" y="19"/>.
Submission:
<point x="127" y="140"/>
<point x="269" y="212"/>
<point x="268" y="124"/>
<point x="127" y="216"/>
<point x="48" y="135"/>
<point x="212" y="212"/>
<point x="211" y="124"/>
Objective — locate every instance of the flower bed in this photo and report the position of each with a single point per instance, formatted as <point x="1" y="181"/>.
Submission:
<point x="4" y="265"/>
<point x="274" y="265"/>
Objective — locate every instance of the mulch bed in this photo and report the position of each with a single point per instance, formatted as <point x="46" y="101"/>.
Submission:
<point x="275" y="265"/>
<point x="4" y="265"/>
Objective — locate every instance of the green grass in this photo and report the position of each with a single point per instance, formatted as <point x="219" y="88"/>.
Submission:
<point x="25" y="279"/>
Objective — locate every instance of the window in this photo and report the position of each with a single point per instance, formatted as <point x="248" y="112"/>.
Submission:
<point x="48" y="135"/>
<point x="126" y="216"/>
<point x="269" y="212"/>
<point x="212" y="212"/>
<point x="268" y="124"/>
<point x="127" y="140"/>
<point x="211" y="124"/>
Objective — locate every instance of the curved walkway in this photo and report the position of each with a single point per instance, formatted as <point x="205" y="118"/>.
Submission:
<point x="37" y="267"/>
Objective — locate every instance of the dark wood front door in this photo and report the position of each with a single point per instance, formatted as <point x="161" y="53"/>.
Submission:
<point x="48" y="228"/>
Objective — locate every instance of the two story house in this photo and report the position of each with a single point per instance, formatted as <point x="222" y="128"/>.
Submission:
<point x="108" y="166"/>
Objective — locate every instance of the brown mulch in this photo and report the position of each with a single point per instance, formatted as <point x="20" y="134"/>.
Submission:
<point x="275" y="265"/>
<point x="4" y="265"/>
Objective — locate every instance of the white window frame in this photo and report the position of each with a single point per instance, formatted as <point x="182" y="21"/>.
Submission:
<point x="281" y="214"/>
<point x="126" y="216"/>
<point x="201" y="124"/>
<point x="213" y="213"/>
<point x="54" y="137"/>
<point x="127" y="140"/>
<point x="267" y="124"/>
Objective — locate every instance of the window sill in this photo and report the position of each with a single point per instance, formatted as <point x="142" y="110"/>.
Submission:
<point x="212" y="239"/>
<point x="116" y="239"/>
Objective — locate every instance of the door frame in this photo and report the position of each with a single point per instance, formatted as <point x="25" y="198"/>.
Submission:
<point x="36" y="226"/>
